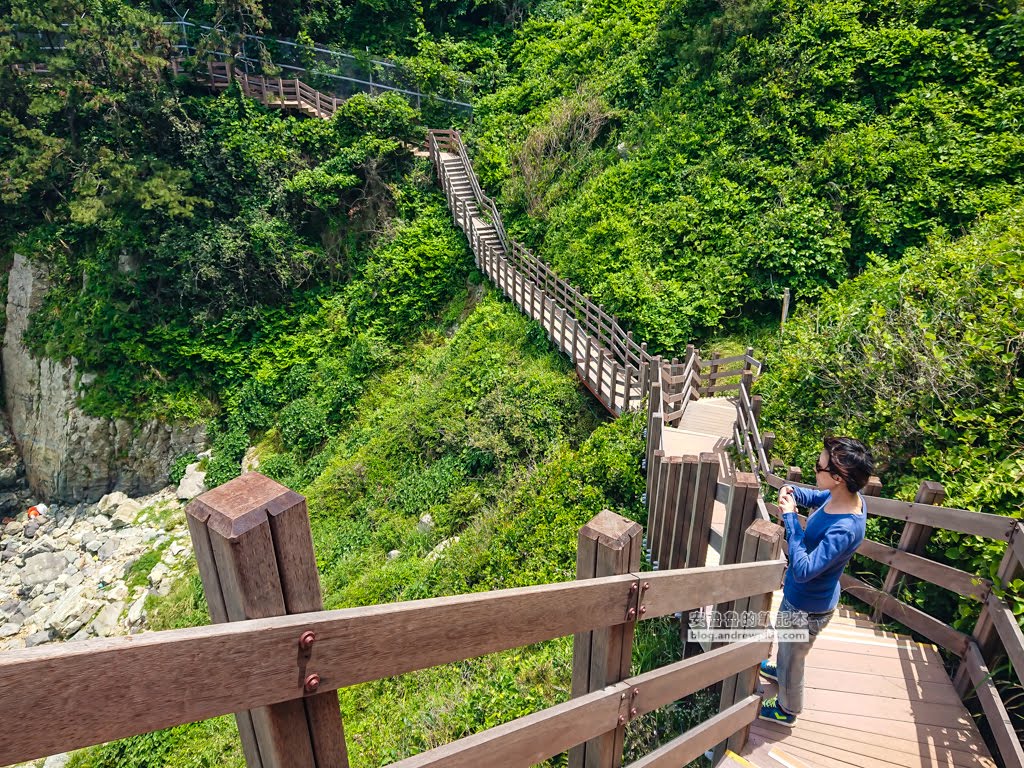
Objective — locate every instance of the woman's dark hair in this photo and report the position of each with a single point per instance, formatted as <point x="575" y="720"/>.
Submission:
<point x="851" y="460"/>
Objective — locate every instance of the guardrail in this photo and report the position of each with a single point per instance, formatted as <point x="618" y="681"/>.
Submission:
<point x="273" y="657"/>
<point x="997" y="632"/>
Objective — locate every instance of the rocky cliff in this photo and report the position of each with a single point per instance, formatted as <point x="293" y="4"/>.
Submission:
<point x="69" y="455"/>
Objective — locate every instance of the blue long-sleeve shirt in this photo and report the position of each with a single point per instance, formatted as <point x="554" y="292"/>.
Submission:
<point x="818" y="555"/>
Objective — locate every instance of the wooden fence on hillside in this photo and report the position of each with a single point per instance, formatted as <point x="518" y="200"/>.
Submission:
<point x="682" y="489"/>
<point x="274" y="658"/>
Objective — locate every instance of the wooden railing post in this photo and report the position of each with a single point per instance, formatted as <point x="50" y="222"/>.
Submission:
<point x="762" y="541"/>
<point x="703" y="506"/>
<point x="1011" y="567"/>
<point x="680" y="533"/>
<point x="254" y="550"/>
<point x="609" y="545"/>
<point x="914" y="537"/>
<point x="747" y="379"/>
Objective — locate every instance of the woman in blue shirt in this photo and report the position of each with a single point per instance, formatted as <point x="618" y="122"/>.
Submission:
<point x="817" y="557"/>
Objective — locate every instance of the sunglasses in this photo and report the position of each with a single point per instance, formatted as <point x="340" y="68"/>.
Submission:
<point x="829" y="468"/>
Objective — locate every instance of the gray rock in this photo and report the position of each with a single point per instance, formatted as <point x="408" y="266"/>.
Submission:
<point x="137" y="611"/>
<point x="42" y="568"/>
<point x="69" y="455"/>
<point x="125" y="514"/>
<point x="108" y="549"/>
<point x="8" y="476"/>
<point x="37" y="638"/>
<point x="9" y="504"/>
<point x="193" y="483"/>
<point x="9" y="630"/>
<point x="158" y="574"/>
<point x="58" y="761"/>
<point x="426" y="523"/>
<point x="14" y="528"/>
<point x="393" y="554"/>
<point x="109" y="503"/>
<point x="94" y="545"/>
<point x="106" y="620"/>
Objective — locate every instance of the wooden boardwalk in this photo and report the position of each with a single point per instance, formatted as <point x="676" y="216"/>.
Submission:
<point x="872" y="698"/>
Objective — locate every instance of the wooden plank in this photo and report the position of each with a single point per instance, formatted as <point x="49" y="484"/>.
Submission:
<point x="1006" y="626"/>
<point x="617" y="542"/>
<point x="690" y="588"/>
<point x="930" y="627"/>
<point x="966" y="737"/>
<point x="203" y="672"/>
<point x="707" y="482"/>
<point x="891" y="709"/>
<point x="675" y="681"/>
<point x="673" y="511"/>
<point x="914" y="536"/>
<point x="801" y="754"/>
<point x="841" y="657"/>
<point x="879" y="745"/>
<point x="243" y="550"/>
<point x="528" y="740"/>
<point x="998" y="527"/>
<point x="870" y="683"/>
<point x="1006" y="739"/>
<point x="203" y="550"/>
<point x="684" y="506"/>
<point x="300" y="585"/>
<point x="696" y="741"/>
<point x="944" y="576"/>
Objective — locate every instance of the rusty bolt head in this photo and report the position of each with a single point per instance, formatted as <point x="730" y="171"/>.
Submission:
<point x="312" y="683"/>
<point x="632" y="613"/>
<point x="622" y="719"/>
<point x="643" y="609"/>
<point x="306" y="641"/>
<point x="647" y="585"/>
<point x="632" y="712"/>
<point x="632" y="587"/>
<point x="636" y="691"/>
<point x="622" y="696"/>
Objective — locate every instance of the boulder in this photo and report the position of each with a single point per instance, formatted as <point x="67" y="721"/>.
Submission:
<point x="42" y="568"/>
<point x="9" y="630"/>
<point x="37" y="638"/>
<point x="126" y="513"/>
<point x="58" y="761"/>
<point x="106" y="620"/>
<point x="193" y="483"/>
<point x="109" y="503"/>
<point x="426" y="523"/>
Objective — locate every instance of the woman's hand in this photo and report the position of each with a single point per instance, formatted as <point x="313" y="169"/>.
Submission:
<point x="787" y="501"/>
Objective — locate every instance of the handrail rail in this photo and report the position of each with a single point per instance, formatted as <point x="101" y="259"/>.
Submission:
<point x="188" y="670"/>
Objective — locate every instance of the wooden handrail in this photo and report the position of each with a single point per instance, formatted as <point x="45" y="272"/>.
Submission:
<point x="534" y="738"/>
<point x="984" y="524"/>
<point x="208" y="671"/>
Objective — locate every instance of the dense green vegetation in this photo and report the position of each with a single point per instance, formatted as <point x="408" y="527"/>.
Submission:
<point x="683" y="161"/>
<point x="487" y="433"/>
<point x="923" y="359"/>
<point x="298" y="284"/>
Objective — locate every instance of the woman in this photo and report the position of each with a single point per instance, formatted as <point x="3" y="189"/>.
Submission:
<point x="817" y="557"/>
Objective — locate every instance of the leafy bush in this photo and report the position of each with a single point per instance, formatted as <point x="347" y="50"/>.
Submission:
<point x="917" y="359"/>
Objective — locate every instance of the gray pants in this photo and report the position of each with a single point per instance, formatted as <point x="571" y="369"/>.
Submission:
<point x="792" y="655"/>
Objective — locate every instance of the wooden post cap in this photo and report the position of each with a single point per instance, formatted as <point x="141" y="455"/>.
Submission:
<point x="610" y="530"/>
<point x="242" y="504"/>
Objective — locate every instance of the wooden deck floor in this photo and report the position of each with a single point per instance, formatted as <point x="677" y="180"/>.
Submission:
<point x="872" y="699"/>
